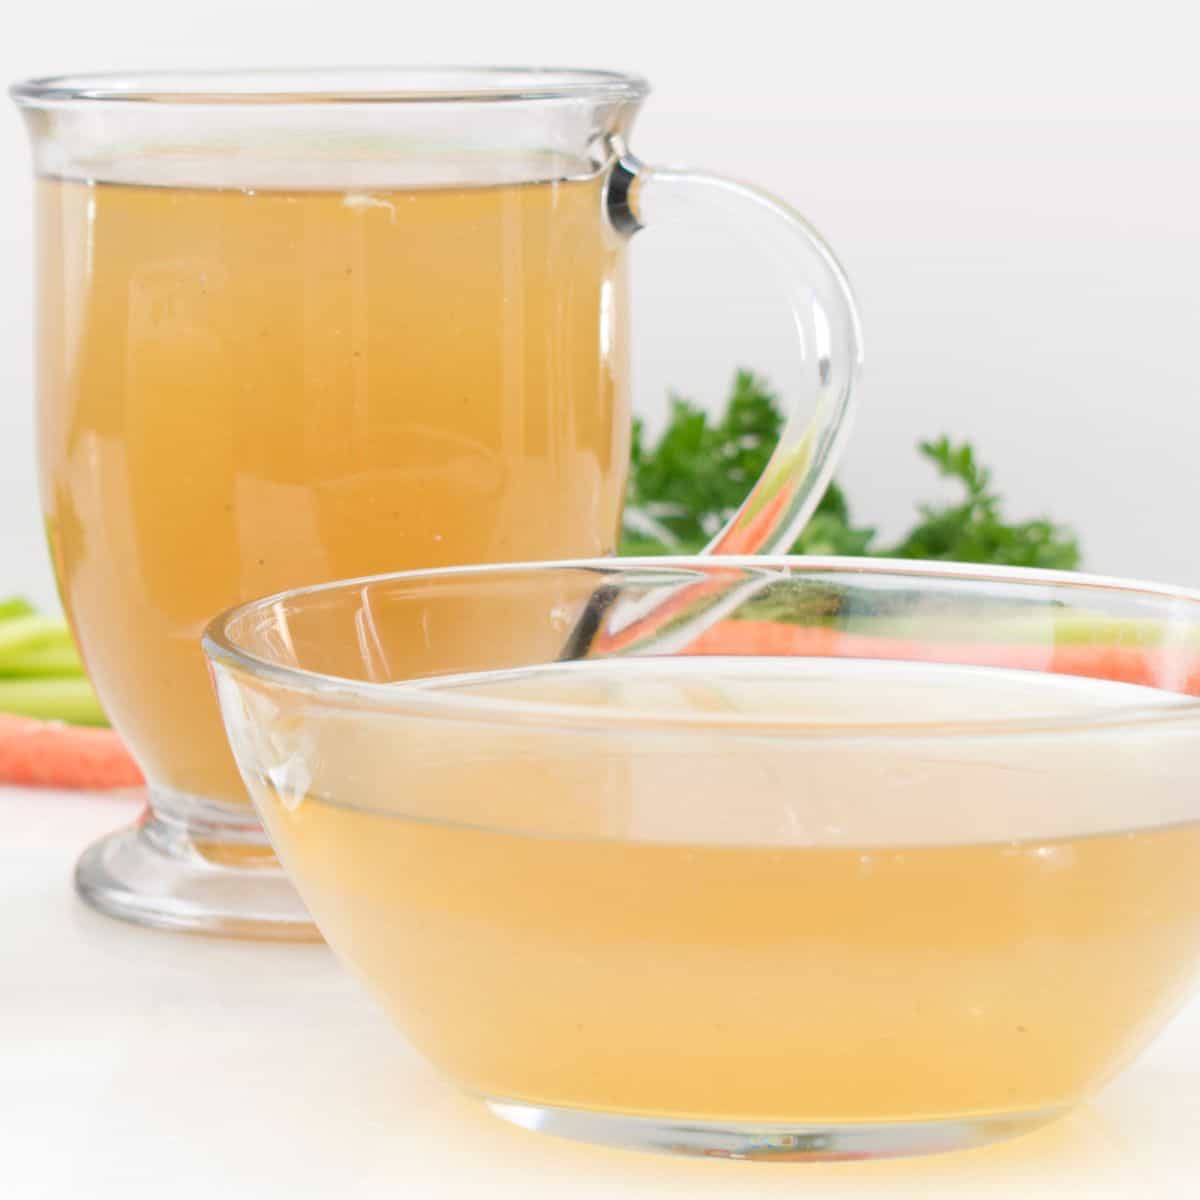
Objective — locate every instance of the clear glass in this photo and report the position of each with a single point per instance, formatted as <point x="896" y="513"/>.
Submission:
<point x="867" y="858"/>
<point x="300" y="326"/>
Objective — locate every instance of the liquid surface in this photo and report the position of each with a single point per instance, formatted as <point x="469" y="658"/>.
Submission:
<point x="805" y="694"/>
<point x="246" y="391"/>
<point x="780" y="929"/>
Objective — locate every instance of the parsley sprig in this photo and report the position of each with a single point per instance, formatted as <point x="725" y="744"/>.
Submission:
<point x="689" y="482"/>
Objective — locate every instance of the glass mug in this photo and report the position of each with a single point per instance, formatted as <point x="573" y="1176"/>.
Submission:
<point x="301" y="326"/>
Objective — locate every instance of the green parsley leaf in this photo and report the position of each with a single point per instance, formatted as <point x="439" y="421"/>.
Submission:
<point x="686" y="485"/>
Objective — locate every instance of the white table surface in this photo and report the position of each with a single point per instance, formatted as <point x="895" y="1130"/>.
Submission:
<point x="139" y="1064"/>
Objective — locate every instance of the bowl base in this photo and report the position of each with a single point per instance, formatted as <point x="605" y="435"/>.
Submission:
<point x="209" y="877"/>
<point x="769" y="1142"/>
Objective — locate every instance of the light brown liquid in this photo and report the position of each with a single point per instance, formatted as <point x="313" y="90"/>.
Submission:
<point x="243" y="392"/>
<point x="762" y="931"/>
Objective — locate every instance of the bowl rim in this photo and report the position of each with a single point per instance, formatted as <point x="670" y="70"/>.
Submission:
<point x="417" y="699"/>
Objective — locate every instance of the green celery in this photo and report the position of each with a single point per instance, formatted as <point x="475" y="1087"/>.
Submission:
<point x="18" y="634"/>
<point x="15" y="606"/>
<point x="69" y="700"/>
<point x="54" y="658"/>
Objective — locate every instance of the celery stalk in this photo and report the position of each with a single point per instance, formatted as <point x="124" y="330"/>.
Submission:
<point x="52" y="700"/>
<point x="54" y="658"/>
<point x="18" y="634"/>
<point x="15" y="606"/>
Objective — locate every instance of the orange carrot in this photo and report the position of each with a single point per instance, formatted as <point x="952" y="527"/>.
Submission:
<point x="51" y="754"/>
<point x="1176" y="670"/>
<point x="750" y="537"/>
<point x="713" y="582"/>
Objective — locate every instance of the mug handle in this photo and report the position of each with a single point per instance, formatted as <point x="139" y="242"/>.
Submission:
<point x="827" y="324"/>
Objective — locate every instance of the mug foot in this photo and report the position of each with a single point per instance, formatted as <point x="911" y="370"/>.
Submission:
<point x="219" y="878"/>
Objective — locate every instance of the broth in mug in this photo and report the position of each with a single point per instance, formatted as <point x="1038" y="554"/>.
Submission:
<point x="248" y="390"/>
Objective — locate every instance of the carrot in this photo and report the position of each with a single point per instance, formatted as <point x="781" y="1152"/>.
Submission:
<point x="750" y="537"/>
<point x="51" y="754"/>
<point x="686" y="597"/>
<point x="1177" y="670"/>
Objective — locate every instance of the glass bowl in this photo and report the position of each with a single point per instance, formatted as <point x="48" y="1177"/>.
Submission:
<point x="764" y="858"/>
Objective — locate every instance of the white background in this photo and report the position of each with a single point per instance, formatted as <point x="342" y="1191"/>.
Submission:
<point x="1014" y="189"/>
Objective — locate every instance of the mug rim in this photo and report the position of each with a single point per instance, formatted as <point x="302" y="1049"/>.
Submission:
<point x="311" y="86"/>
<point x="416" y="701"/>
